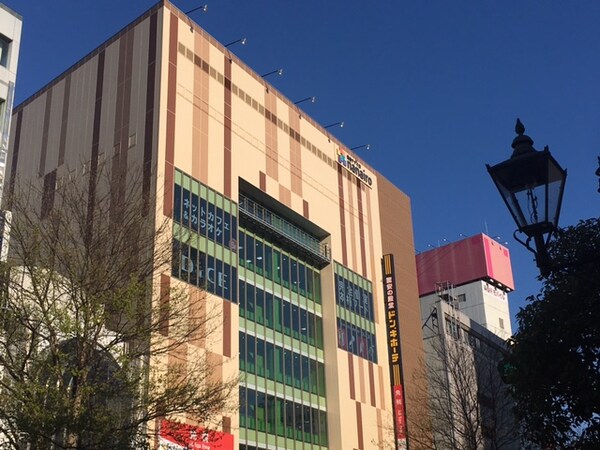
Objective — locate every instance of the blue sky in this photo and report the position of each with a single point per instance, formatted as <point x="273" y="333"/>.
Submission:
<point x="434" y="86"/>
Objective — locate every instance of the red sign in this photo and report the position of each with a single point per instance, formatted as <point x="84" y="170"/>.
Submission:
<point x="179" y="436"/>
<point x="399" y="410"/>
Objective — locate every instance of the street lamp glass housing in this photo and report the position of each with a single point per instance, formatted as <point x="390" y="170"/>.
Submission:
<point x="531" y="184"/>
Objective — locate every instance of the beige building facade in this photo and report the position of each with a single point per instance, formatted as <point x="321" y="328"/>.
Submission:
<point x="288" y="226"/>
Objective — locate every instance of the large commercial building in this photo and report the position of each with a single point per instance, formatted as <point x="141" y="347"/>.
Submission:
<point x="10" y="40"/>
<point x="286" y="227"/>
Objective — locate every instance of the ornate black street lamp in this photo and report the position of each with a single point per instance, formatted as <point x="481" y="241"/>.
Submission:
<point x="531" y="184"/>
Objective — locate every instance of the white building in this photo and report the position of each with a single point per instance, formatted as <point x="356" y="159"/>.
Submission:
<point x="10" y="39"/>
<point x="469" y="405"/>
<point x="463" y="290"/>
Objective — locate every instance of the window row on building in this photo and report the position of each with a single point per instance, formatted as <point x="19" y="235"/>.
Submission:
<point x="276" y="265"/>
<point x="276" y="363"/>
<point x="274" y="415"/>
<point x="265" y="308"/>
<point x="458" y="333"/>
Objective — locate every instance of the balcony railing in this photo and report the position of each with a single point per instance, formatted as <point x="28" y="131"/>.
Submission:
<point x="270" y="221"/>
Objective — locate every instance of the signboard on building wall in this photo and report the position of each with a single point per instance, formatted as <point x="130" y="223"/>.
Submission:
<point x="352" y="165"/>
<point x="209" y="216"/>
<point x="205" y="271"/>
<point x="204" y="217"/>
<point x="394" y="351"/>
<point x="177" y="436"/>
<point x="356" y="316"/>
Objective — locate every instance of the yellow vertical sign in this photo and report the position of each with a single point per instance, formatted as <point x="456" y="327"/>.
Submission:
<point x="394" y="351"/>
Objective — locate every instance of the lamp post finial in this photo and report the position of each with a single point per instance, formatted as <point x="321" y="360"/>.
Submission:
<point x="519" y="127"/>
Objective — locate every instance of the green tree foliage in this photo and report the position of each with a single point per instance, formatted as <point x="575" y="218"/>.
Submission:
<point x="95" y="347"/>
<point x="554" y="361"/>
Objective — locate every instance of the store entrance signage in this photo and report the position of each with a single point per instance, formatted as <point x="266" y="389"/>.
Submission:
<point x="352" y="165"/>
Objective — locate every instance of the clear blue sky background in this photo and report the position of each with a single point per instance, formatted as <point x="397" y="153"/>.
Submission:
<point x="434" y="86"/>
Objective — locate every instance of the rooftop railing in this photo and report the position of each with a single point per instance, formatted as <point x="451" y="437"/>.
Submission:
<point x="284" y="229"/>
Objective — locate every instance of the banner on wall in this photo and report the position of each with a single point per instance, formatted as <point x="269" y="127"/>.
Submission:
<point x="394" y="351"/>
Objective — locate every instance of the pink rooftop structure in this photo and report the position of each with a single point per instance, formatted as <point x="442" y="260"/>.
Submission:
<point x="475" y="258"/>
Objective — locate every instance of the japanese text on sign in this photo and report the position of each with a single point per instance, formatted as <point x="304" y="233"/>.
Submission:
<point x="204" y="217"/>
<point x="394" y="351"/>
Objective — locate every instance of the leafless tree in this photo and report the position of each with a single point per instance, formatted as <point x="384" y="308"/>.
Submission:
<point x="463" y="403"/>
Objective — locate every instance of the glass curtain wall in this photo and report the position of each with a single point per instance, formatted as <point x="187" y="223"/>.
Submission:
<point x="282" y="396"/>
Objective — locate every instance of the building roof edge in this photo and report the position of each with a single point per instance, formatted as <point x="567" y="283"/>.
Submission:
<point x="11" y="11"/>
<point x="88" y="56"/>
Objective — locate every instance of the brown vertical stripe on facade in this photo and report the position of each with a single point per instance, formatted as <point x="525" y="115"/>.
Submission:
<point x="372" y="385"/>
<point x="215" y="362"/>
<point x="165" y="286"/>
<point x="305" y="211"/>
<point x="379" y="427"/>
<point x="15" y="155"/>
<point x="149" y="116"/>
<point x="178" y="355"/>
<point x="226" y="424"/>
<point x="382" y="389"/>
<point x="361" y="227"/>
<point x="361" y="379"/>
<point x="199" y="109"/>
<point x="46" y="127"/>
<point x="285" y="196"/>
<point x="262" y="181"/>
<point x="170" y="132"/>
<point x="351" y="376"/>
<point x="351" y="224"/>
<point x="95" y="138"/>
<point x="271" y="153"/>
<point x="197" y="309"/>
<point x="120" y="97"/>
<point x="227" y="129"/>
<point x="122" y="111"/>
<point x="226" y="328"/>
<point x="374" y="264"/>
<point x="172" y="73"/>
<point x="169" y="181"/>
<point x="203" y="46"/>
<point x="295" y="152"/>
<point x="48" y="193"/>
<point x="64" y="121"/>
<point x="359" y="426"/>
<point x="342" y="215"/>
